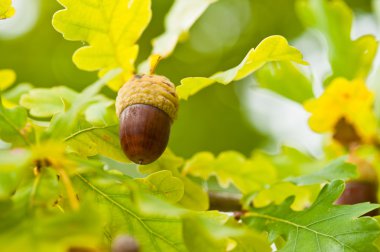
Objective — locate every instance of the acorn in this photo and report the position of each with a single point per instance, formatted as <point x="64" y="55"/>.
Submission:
<point x="147" y="106"/>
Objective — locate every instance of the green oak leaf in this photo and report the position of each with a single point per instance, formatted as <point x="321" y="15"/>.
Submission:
<point x="46" y="102"/>
<point x="97" y="140"/>
<point x="182" y="15"/>
<point x="6" y="9"/>
<point x="154" y="230"/>
<point x="338" y="169"/>
<point x="321" y="227"/>
<point x="271" y="49"/>
<point x="247" y="175"/>
<point x="165" y="185"/>
<point x="284" y="78"/>
<point x="195" y="197"/>
<point x="111" y="29"/>
<point x="64" y="124"/>
<point x="333" y="19"/>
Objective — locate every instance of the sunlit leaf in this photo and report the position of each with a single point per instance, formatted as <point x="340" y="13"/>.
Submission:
<point x="322" y="227"/>
<point x="46" y="102"/>
<point x="165" y="185"/>
<point x="232" y="167"/>
<point x="271" y="49"/>
<point x="333" y="19"/>
<point x="182" y="15"/>
<point x="277" y="193"/>
<point x="111" y="29"/>
<point x="103" y="140"/>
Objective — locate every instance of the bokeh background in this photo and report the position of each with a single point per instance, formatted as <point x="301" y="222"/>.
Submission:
<point x="236" y="117"/>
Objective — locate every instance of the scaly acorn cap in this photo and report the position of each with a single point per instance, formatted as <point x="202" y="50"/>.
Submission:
<point x="154" y="90"/>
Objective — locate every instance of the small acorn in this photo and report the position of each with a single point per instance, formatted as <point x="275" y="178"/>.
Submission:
<point x="147" y="106"/>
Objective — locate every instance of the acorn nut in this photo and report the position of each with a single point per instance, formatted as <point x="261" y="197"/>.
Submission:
<point x="147" y="106"/>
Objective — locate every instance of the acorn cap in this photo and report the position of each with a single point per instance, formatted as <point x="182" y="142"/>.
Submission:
<point x="154" y="90"/>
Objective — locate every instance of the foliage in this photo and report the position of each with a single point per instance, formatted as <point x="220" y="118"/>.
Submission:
<point x="66" y="185"/>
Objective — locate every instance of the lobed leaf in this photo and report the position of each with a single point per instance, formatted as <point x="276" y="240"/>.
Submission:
<point x="64" y="124"/>
<point x="111" y="29"/>
<point x="333" y="19"/>
<point x="46" y="102"/>
<point x="232" y="168"/>
<point x="322" y="227"/>
<point x="271" y="49"/>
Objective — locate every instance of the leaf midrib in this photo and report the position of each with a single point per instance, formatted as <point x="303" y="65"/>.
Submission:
<point x="268" y="217"/>
<point x="129" y="212"/>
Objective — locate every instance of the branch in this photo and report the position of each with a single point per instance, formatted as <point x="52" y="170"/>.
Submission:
<point x="225" y="202"/>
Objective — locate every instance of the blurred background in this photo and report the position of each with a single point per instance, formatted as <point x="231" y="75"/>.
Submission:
<point x="238" y="117"/>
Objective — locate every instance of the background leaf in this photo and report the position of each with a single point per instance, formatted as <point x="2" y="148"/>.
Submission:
<point x="286" y="79"/>
<point x="44" y="102"/>
<point x="273" y="48"/>
<point x="333" y="19"/>
<point x="182" y="15"/>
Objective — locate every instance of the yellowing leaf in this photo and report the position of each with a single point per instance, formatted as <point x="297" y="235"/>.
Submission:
<point x="181" y="17"/>
<point x="7" y="77"/>
<point x="6" y="9"/>
<point x="232" y="167"/>
<point x="111" y="29"/>
<point x="271" y="49"/>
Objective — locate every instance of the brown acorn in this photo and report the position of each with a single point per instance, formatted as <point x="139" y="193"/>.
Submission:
<point x="147" y="106"/>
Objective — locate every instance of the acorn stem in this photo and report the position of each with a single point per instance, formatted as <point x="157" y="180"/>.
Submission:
<point x="154" y="61"/>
